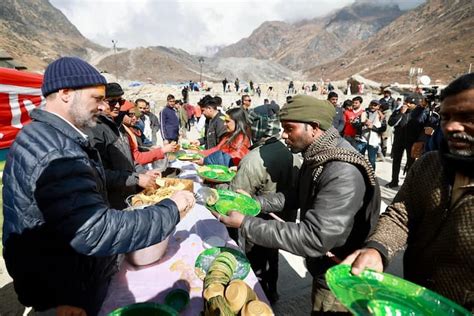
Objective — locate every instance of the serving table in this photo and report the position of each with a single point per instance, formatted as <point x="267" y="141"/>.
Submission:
<point x="176" y="268"/>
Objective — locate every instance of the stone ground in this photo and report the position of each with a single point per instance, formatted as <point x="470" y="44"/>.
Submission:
<point x="294" y="284"/>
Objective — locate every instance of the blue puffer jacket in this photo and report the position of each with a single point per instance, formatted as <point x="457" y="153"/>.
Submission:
<point x="60" y="237"/>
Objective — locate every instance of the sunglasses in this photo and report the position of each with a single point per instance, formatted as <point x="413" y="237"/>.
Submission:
<point x="115" y="101"/>
<point x="130" y="114"/>
<point x="250" y="100"/>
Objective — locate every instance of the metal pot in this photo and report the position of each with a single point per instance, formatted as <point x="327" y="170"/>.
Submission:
<point x="149" y="254"/>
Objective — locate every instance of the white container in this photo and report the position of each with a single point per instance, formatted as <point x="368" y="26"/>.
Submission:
<point x="149" y="254"/>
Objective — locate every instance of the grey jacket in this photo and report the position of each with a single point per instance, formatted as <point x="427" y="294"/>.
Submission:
<point x="334" y="215"/>
<point x="338" y="121"/>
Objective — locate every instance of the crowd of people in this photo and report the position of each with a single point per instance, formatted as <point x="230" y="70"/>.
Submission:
<point x="69" y="172"/>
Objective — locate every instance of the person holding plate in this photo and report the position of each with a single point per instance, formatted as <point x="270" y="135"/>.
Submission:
<point x="432" y="214"/>
<point x="337" y="193"/>
<point x="234" y="145"/>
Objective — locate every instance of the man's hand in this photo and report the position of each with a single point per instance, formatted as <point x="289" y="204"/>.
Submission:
<point x="154" y="173"/>
<point x="184" y="201"/>
<point x="404" y="108"/>
<point x="233" y="219"/>
<point x="146" y="181"/>
<point x="429" y="131"/>
<point x="199" y="161"/>
<point x="364" y="258"/>
<point x="66" y="310"/>
<point x="171" y="147"/>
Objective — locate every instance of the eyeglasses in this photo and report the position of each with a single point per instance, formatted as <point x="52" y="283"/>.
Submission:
<point x="115" y="101"/>
<point x="131" y="114"/>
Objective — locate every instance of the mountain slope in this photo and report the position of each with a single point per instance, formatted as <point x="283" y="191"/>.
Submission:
<point x="308" y="43"/>
<point x="163" y="64"/>
<point x="35" y="33"/>
<point x="437" y="36"/>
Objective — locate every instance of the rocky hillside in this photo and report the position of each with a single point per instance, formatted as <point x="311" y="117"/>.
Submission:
<point x="437" y="36"/>
<point x="163" y="64"/>
<point x="35" y="33"/>
<point x="307" y="43"/>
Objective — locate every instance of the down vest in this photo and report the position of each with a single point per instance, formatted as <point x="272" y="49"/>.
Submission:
<point x="60" y="236"/>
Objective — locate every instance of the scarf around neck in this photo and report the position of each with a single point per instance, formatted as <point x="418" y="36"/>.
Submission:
<point x="324" y="149"/>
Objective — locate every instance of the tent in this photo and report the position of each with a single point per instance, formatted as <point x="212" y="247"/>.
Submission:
<point x="20" y="93"/>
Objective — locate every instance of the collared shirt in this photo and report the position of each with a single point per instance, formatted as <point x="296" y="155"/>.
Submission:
<point x="461" y="185"/>
<point x="72" y="125"/>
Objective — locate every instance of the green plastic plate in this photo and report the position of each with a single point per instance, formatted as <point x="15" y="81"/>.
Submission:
<point x="188" y="146"/>
<point x="232" y="201"/>
<point x="189" y="156"/>
<point x="374" y="293"/>
<point x="205" y="258"/>
<point x="217" y="173"/>
<point x="145" y="309"/>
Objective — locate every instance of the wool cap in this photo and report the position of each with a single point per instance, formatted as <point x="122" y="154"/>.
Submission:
<point x="70" y="73"/>
<point x="113" y="90"/>
<point x="413" y="99"/>
<point x="127" y="106"/>
<point x="306" y="109"/>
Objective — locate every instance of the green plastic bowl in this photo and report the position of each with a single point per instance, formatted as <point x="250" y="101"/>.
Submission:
<point x="145" y="309"/>
<point x="178" y="299"/>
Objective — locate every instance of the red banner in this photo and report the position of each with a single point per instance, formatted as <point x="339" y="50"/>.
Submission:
<point x="20" y="93"/>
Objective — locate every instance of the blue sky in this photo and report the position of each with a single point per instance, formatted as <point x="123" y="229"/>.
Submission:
<point x="192" y="25"/>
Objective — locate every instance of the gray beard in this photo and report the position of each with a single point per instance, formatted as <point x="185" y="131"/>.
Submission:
<point x="81" y="119"/>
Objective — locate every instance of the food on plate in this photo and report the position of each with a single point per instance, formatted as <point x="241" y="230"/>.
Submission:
<point x="167" y="187"/>
<point x="204" y="169"/>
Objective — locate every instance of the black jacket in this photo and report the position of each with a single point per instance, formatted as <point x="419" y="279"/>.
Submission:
<point x="337" y="214"/>
<point x="60" y="236"/>
<point x="408" y="126"/>
<point x="213" y="131"/>
<point x="114" y="150"/>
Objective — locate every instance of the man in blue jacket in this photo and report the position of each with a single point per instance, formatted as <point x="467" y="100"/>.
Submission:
<point x="169" y="120"/>
<point x="60" y="236"/>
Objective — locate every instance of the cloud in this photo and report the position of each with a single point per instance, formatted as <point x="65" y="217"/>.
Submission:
<point x="191" y="25"/>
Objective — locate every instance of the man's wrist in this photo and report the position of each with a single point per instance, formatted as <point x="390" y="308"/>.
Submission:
<point x="381" y="249"/>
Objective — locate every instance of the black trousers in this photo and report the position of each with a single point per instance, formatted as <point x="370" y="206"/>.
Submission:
<point x="397" y="154"/>
<point x="264" y="262"/>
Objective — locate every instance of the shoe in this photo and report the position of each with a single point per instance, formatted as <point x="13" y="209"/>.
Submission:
<point x="391" y="185"/>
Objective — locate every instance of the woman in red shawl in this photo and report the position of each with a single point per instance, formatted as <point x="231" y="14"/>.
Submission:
<point x="234" y="145"/>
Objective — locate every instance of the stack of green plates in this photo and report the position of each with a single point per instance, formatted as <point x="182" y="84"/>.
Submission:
<point x="374" y="293"/>
<point x="232" y="201"/>
<point x="240" y="268"/>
